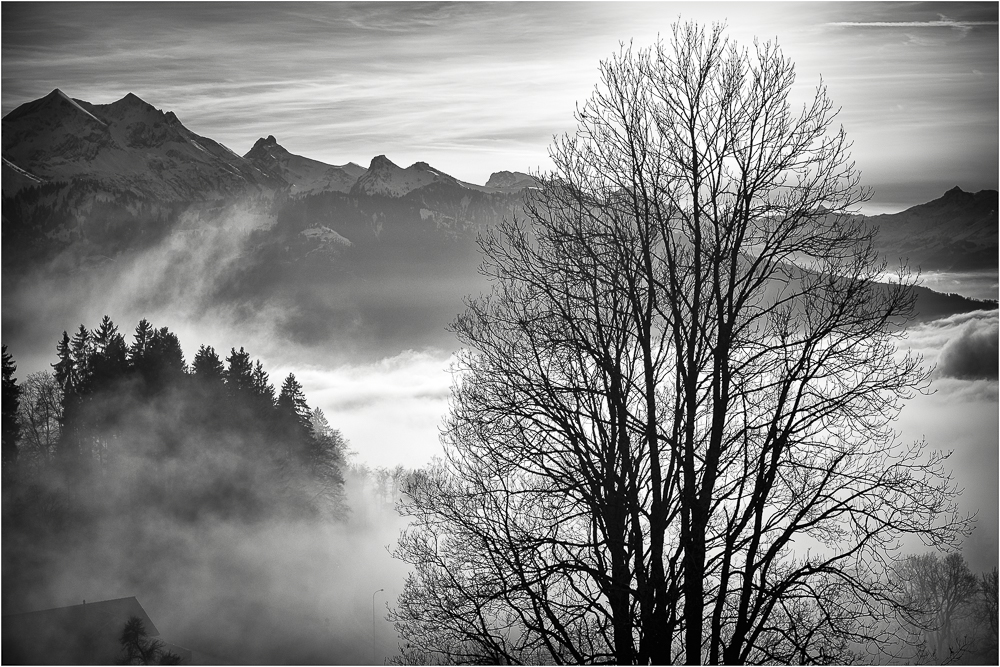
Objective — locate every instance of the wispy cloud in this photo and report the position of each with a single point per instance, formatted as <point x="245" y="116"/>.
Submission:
<point x="942" y="23"/>
<point x="960" y="27"/>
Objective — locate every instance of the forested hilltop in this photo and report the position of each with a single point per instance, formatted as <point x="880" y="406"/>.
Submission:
<point x="127" y="431"/>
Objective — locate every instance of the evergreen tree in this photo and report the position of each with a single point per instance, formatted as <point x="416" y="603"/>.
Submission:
<point x="80" y="351"/>
<point x="167" y="348"/>
<point x="292" y="401"/>
<point x="260" y="386"/>
<point x="156" y="355"/>
<point x="294" y="419"/>
<point x="64" y="368"/>
<point x="72" y="359"/>
<point x="239" y="374"/>
<point x="109" y="359"/>
<point x="164" y="362"/>
<point x="11" y="397"/>
<point x="326" y="458"/>
<point x="140" y="341"/>
<point x="319" y="423"/>
<point x="207" y="365"/>
<point x="104" y="335"/>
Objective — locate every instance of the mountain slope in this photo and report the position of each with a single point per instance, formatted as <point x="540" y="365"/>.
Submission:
<point x="303" y="175"/>
<point x="387" y="179"/>
<point x="956" y="232"/>
<point x="126" y="146"/>
<point x="504" y="180"/>
<point x="14" y="178"/>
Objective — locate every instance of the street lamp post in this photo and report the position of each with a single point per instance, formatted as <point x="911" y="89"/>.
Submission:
<point x="373" y="623"/>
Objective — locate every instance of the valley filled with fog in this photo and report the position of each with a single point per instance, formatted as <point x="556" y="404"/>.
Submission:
<point x="371" y="348"/>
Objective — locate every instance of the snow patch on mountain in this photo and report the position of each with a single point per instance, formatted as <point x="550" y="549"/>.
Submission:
<point x="325" y="236"/>
<point x="14" y="178"/>
<point x="76" y="105"/>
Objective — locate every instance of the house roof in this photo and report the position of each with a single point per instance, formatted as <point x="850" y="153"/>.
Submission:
<point x="80" y="634"/>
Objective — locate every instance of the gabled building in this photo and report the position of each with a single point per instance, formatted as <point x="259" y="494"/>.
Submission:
<point x="83" y="634"/>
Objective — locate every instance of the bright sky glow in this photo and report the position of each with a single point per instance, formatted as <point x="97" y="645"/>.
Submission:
<point x="474" y="88"/>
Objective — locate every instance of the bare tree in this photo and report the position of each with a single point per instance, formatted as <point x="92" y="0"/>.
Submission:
<point x="988" y="595"/>
<point x="937" y="596"/>
<point x="671" y="439"/>
<point x="40" y="410"/>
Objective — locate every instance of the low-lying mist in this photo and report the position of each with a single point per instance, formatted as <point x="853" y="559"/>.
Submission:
<point x="229" y="510"/>
<point x="959" y="414"/>
<point x="286" y="300"/>
<point x="274" y="592"/>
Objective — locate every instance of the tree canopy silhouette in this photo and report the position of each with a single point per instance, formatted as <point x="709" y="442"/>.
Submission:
<point x="11" y="429"/>
<point x="671" y="437"/>
<point x="138" y="649"/>
<point x="130" y="424"/>
<point x="947" y="613"/>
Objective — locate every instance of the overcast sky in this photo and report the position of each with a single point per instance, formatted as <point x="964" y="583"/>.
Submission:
<point x="474" y="88"/>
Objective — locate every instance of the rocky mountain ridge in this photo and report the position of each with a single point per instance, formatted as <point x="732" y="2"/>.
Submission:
<point x="96" y="180"/>
<point x="303" y="175"/>
<point x="129" y="145"/>
<point x="124" y="146"/>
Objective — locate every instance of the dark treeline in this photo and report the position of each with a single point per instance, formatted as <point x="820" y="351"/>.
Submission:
<point x="126" y="432"/>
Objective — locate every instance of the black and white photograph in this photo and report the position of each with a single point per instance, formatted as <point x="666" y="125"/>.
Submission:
<point x="535" y="333"/>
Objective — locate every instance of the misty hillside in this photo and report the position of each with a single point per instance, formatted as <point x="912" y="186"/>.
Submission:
<point x="200" y="487"/>
<point x="100" y="193"/>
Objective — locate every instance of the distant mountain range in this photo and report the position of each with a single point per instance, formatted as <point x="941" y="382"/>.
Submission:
<point x="67" y="162"/>
<point x="107" y="178"/>
<point x="130" y="145"/>
<point x="88" y="185"/>
<point x="301" y="174"/>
